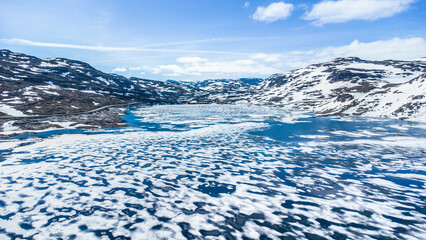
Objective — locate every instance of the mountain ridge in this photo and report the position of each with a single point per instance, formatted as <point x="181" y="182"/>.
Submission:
<point x="351" y="86"/>
<point x="35" y="84"/>
<point x="344" y="86"/>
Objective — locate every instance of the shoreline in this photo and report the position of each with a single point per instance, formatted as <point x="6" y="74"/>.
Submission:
<point x="107" y="117"/>
<point x="104" y="117"/>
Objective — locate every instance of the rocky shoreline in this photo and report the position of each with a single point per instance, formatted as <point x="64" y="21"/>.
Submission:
<point x="105" y="118"/>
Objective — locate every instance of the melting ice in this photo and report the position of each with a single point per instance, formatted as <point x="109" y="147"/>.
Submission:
<point x="218" y="172"/>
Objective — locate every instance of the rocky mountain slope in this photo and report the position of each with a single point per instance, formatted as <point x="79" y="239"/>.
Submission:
<point x="33" y="86"/>
<point x="222" y="90"/>
<point x="350" y="86"/>
<point x="346" y="86"/>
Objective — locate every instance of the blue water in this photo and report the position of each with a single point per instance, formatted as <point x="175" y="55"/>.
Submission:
<point x="323" y="126"/>
<point x="218" y="172"/>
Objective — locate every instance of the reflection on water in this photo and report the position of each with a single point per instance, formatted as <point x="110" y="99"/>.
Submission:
<point x="218" y="172"/>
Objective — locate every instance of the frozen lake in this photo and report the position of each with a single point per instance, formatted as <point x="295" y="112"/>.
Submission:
<point x="218" y="172"/>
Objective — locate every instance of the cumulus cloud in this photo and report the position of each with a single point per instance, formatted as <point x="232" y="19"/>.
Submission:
<point x="264" y="64"/>
<point x="274" y="57"/>
<point x="135" y="68"/>
<point x="396" y="48"/>
<point x="347" y="10"/>
<point x="200" y="66"/>
<point x="273" y="12"/>
<point x="119" y="70"/>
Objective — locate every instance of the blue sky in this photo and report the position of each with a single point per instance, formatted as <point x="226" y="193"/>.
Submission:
<point x="200" y="39"/>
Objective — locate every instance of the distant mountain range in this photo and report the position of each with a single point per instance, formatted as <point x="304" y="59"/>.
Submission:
<point x="346" y="86"/>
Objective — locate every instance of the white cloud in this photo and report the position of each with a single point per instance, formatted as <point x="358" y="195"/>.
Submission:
<point x="154" y="70"/>
<point x="123" y="49"/>
<point x="396" y="48"/>
<point x="200" y="66"/>
<point x="119" y="70"/>
<point x="206" y="66"/>
<point x="135" y="68"/>
<point x="62" y="45"/>
<point x="267" y="57"/>
<point x="273" y="12"/>
<point x="264" y="64"/>
<point x="346" y="10"/>
<point x="246" y="4"/>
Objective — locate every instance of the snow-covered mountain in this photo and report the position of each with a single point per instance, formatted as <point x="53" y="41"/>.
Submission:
<point x="33" y="86"/>
<point x="350" y="86"/>
<point x="222" y="90"/>
<point x="344" y="86"/>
